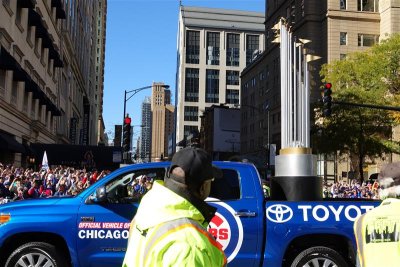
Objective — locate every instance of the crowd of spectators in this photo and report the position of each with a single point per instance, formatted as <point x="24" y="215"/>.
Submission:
<point x="354" y="189"/>
<point x="17" y="183"/>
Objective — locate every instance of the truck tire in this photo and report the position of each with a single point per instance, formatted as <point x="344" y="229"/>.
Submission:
<point x="36" y="254"/>
<point x="318" y="257"/>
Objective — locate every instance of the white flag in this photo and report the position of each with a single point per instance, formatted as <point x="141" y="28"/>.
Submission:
<point x="45" y="163"/>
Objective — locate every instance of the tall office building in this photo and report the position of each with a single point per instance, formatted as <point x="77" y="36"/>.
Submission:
<point x="101" y="18"/>
<point x="162" y="121"/>
<point x="145" y="135"/>
<point x="47" y="74"/>
<point x="214" y="45"/>
<point x="335" y="28"/>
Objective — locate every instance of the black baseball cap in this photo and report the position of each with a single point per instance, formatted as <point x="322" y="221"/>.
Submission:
<point x="197" y="165"/>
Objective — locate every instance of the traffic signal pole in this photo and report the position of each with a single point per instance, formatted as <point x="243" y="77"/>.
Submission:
<point x="366" y="105"/>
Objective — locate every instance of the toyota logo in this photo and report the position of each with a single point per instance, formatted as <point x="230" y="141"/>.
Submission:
<point x="279" y="213"/>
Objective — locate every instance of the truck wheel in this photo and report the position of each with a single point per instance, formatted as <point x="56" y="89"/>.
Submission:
<point x="318" y="257"/>
<point x="36" y="254"/>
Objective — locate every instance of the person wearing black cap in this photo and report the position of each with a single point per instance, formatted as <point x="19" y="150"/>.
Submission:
<point x="377" y="231"/>
<point x="170" y="226"/>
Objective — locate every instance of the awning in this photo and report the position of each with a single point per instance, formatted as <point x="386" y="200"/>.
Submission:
<point x="37" y="93"/>
<point x="8" y="62"/>
<point x="28" y="150"/>
<point x="19" y="74"/>
<point x="60" y="13"/>
<point x="34" y="19"/>
<point x="8" y="142"/>
<point x="26" y="3"/>
<point x="53" y="54"/>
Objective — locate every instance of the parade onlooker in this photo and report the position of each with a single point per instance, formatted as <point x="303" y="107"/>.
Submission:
<point x="36" y="190"/>
<point x="20" y="183"/>
<point x="354" y="189"/>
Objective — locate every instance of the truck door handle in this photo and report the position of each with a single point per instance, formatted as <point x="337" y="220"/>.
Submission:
<point x="245" y="214"/>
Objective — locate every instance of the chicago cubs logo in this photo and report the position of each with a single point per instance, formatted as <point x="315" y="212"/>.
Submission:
<point x="279" y="213"/>
<point x="227" y="229"/>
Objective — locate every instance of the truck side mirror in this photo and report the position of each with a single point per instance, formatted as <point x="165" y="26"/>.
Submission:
<point x="101" y="195"/>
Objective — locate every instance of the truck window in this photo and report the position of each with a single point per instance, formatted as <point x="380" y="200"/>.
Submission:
<point x="226" y="188"/>
<point x="131" y="187"/>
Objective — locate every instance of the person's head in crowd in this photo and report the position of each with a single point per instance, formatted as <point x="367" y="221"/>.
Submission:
<point x="37" y="183"/>
<point x="389" y="181"/>
<point x="62" y="188"/>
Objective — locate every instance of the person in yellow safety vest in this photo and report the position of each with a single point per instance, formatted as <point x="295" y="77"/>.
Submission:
<point x="378" y="230"/>
<point x="170" y="226"/>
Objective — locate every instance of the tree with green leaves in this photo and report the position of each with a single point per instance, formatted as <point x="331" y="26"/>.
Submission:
<point x="369" y="77"/>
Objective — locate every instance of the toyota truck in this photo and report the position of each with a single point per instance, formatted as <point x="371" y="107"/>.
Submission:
<point x="92" y="228"/>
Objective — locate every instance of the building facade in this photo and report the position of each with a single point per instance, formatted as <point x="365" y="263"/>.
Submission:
<point x="335" y="28"/>
<point x="214" y="46"/>
<point x="47" y="75"/>
<point x="101" y="19"/>
<point x="145" y="135"/>
<point x="162" y="121"/>
<point x="220" y="132"/>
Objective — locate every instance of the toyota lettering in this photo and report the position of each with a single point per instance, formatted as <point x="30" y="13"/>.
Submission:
<point x="318" y="212"/>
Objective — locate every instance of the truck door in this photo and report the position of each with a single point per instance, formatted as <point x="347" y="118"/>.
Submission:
<point x="103" y="228"/>
<point x="238" y="224"/>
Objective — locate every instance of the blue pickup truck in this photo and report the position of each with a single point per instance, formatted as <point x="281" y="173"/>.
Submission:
<point x="91" y="229"/>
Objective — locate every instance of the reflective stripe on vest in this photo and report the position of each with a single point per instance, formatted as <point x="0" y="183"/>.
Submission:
<point x="360" y="241"/>
<point x="170" y="227"/>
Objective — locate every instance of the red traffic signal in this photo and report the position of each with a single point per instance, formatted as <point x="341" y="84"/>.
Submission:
<point x="127" y="120"/>
<point x="327" y="99"/>
<point x="328" y="85"/>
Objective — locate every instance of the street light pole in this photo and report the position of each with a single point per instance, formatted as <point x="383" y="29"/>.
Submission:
<point x="134" y="92"/>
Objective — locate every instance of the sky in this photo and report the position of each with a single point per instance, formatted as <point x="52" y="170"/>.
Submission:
<point x="141" y="48"/>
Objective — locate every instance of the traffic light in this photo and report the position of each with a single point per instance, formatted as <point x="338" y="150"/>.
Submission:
<point x="126" y="142"/>
<point x="327" y="99"/>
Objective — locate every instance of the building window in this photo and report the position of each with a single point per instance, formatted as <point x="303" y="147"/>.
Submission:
<point x="14" y="93"/>
<point x="192" y="85"/>
<point x="232" y="77"/>
<point x="343" y="4"/>
<point x="233" y="49"/>
<point x="251" y="144"/>
<point x="367" y="39"/>
<point x="368" y="5"/>
<point x="213" y="48"/>
<point x="191" y="113"/>
<point x="189" y="129"/>
<point x="245" y="86"/>
<point x="25" y="106"/>
<point x="192" y="47"/>
<point x="232" y="96"/>
<point x="252" y="45"/>
<point x="2" y="83"/>
<point x="33" y="109"/>
<point x="261" y="75"/>
<point x="343" y="38"/>
<point x="18" y="15"/>
<point x="212" y="86"/>
<point x="343" y="56"/>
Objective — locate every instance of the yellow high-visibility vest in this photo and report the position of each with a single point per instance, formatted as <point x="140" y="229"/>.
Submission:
<point x="378" y="235"/>
<point x="167" y="232"/>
